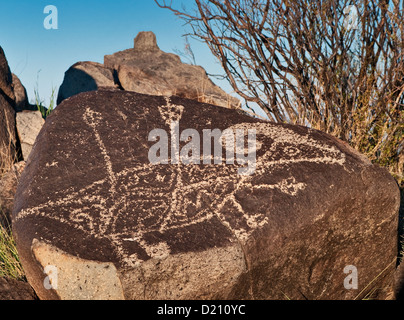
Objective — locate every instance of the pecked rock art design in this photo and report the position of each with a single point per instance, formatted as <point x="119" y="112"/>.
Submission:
<point x="159" y="212"/>
<point x="90" y="190"/>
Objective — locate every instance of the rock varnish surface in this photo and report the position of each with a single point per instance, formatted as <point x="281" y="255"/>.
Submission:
<point x="92" y="208"/>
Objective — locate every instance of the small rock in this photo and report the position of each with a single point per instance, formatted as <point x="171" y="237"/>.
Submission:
<point x="29" y="123"/>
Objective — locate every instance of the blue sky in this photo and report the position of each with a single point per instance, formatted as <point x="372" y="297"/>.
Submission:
<point x="87" y="30"/>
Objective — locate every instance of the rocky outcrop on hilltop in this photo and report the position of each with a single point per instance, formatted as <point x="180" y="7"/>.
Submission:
<point x="145" y="69"/>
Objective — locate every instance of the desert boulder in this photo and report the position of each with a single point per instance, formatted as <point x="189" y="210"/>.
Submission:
<point x="92" y="208"/>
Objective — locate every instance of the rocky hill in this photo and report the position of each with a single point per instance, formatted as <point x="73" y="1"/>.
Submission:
<point x="145" y="69"/>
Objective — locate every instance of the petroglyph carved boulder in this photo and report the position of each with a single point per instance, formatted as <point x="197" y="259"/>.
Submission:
<point x="89" y="199"/>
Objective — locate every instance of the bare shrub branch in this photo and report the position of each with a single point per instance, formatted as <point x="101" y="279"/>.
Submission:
<point x="306" y="62"/>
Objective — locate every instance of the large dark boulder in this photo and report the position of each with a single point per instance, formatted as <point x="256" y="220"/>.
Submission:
<point x="103" y="222"/>
<point x="21" y="96"/>
<point x="8" y="138"/>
